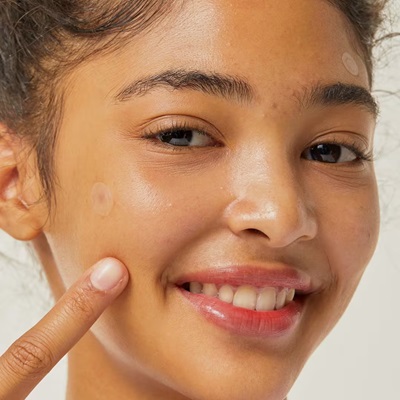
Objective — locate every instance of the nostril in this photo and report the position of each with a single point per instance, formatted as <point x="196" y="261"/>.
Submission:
<point x="255" y="232"/>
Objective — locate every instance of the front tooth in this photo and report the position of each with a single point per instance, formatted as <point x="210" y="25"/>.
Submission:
<point x="245" y="297"/>
<point x="225" y="293"/>
<point x="195" y="287"/>
<point x="210" y="289"/>
<point x="290" y="296"/>
<point x="266" y="299"/>
<point x="280" y="299"/>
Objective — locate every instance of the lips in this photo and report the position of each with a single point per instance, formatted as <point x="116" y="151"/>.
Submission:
<point x="246" y="300"/>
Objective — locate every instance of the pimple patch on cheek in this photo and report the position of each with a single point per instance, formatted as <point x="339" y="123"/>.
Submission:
<point x="102" y="199"/>
<point x="350" y="64"/>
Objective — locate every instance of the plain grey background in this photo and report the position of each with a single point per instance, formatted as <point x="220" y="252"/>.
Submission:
<point x="359" y="360"/>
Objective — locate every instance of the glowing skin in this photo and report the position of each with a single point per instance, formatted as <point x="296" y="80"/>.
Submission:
<point x="171" y="216"/>
<point x="351" y="64"/>
<point x="102" y="199"/>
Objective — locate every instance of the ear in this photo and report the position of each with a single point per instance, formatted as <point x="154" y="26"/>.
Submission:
<point x="22" y="211"/>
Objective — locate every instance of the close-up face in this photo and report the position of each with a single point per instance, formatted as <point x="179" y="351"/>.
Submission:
<point x="224" y="156"/>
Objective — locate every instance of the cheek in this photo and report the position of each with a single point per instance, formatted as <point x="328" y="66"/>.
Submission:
<point x="347" y="237"/>
<point x="164" y="216"/>
<point x="139" y="212"/>
<point x="147" y="218"/>
<point x="102" y="199"/>
<point x="350" y="233"/>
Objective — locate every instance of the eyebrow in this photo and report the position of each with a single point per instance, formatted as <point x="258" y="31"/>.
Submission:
<point x="226" y="86"/>
<point x="338" y="94"/>
<point x="237" y="88"/>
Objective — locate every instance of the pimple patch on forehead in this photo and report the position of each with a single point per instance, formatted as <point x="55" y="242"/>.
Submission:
<point x="350" y="64"/>
<point x="102" y="199"/>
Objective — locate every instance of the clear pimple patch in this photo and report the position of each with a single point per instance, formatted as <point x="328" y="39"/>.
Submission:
<point x="350" y="64"/>
<point x="102" y="199"/>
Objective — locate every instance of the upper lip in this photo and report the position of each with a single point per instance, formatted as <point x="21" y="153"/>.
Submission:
<point x="282" y="276"/>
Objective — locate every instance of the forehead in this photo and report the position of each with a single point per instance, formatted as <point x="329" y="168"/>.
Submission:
<point x="273" y="44"/>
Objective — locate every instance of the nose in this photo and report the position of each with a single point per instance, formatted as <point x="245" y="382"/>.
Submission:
<point x="272" y="202"/>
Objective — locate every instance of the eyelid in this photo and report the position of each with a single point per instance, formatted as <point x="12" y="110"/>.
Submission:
<point x="172" y="122"/>
<point x="362" y="154"/>
<point x="352" y="140"/>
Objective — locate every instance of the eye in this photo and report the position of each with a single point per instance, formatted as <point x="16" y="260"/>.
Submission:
<point x="332" y="153"/>
<point x="185" y="138"/>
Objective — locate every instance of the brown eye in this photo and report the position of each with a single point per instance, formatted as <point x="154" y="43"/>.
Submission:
<point x="185" y="137"/>
<point x="330" y="153"/>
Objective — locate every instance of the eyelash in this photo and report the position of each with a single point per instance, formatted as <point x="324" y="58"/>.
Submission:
<point x="151" y="134"/>
<point x="361" y="154"/>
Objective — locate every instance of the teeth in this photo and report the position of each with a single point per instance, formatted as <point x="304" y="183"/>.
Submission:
<point x="210" y="289"/>
<point x="290" y="296"/>
<point x="195" y="287"/>
<point x="280" y="299"/>
<point x="226" y="293"/>
<point x="266" y="300"/>
<point x="246" y="296"/>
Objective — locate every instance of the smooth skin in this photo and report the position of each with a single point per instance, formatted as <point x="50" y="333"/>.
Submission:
<point x="246" y="194"/>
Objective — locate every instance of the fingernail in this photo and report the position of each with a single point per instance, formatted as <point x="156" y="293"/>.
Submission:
<point x="107" y="274"/>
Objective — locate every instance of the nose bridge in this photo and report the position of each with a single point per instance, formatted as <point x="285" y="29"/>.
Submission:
<point x="269" y="197"/>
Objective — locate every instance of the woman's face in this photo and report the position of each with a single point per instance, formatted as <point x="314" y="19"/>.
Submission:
<point x="225" y="147"/>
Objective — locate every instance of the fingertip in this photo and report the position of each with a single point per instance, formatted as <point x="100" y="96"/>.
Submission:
<point x="108" y="274"/>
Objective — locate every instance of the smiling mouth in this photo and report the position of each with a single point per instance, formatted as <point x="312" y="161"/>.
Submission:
<point x="244" y="296"/>
<point x="248" y="300"/>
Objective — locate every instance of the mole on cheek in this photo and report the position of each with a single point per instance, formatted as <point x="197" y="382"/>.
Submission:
<point x="350" y="64"/>
<point x="102" y="199"/>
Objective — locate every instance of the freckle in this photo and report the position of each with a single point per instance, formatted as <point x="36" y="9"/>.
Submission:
<point x="350" y="64"/>
<point x="102" y="199"/>
<point x="274" y="106"/>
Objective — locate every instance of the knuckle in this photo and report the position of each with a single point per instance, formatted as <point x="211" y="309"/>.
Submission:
<point x="79" y="303"/>
<point x="29" y="357"/>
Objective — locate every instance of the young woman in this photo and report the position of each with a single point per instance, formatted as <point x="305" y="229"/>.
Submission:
<point x="219" y="153"/>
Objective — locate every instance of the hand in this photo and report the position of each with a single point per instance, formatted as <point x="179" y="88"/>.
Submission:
<point x="31" y="357"/>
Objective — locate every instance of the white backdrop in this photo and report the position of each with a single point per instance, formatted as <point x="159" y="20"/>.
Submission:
<point x="358" y="361"/>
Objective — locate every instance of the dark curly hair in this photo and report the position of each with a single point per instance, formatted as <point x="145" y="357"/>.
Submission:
<point x="42" y="39"/>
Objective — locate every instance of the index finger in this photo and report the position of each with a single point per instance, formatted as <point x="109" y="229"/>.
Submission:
<point x="31" y="357"/>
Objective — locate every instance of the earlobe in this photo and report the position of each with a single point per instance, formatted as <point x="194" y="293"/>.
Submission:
<point x="17" y="218"/>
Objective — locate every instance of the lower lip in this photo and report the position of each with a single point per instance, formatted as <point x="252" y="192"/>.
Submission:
<point x="246" y="322"/>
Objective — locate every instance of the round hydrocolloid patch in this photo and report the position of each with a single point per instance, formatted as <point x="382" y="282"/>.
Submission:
<point x="102" y="199"/>
<point x="351" y="64"/>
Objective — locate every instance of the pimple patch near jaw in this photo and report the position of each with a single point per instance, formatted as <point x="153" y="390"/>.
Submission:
<point x="102" y="199"/>
<point x="350" y="64"/>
